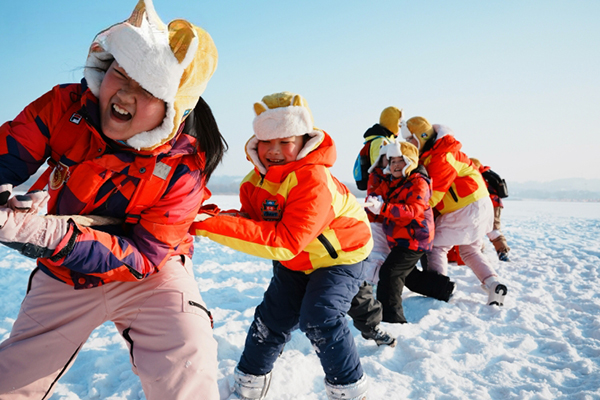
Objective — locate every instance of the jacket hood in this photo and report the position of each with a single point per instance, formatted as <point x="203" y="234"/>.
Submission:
<point x="442" y="130"/>
<point x="445" y="141"/>
<point x="378" y="130"/>
<point x="421" y="170"/>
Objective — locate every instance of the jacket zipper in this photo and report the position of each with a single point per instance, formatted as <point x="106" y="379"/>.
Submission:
<point x="134" y="272"/>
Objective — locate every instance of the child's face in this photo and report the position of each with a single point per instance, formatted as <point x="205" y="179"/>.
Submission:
<point x="279" y="151"/>
<point x="413" y="140"/>
<point x="126" y="109"/>
<point x="397" y="164"/>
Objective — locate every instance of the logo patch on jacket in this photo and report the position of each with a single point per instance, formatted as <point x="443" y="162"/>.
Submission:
<point x="60" y="175"/>
<point x="75" y="118"/>
<point x="270" y="210"/>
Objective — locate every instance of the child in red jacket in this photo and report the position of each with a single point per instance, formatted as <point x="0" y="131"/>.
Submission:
<point x="403" y="202"/>
<point x="495" y="236"/>
<point x="318" y="235"/>
<point x="460" y="196"/>
<point x="133" y="141"/>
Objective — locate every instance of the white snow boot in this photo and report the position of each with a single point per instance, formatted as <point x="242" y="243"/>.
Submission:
<point x="496" y="291"/>
<point x="250" y="387"/>
<point x="351" y="391"/>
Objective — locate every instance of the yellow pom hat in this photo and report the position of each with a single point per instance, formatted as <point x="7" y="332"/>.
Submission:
<point x="418" y="127"/>
<point x="173" y="62"/>
<point x="390" y="119"/>
<point x="281" y="115"/>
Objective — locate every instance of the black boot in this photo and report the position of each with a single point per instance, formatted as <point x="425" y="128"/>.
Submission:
<point x="430" y="284"/>
<point x="379" y="336"/>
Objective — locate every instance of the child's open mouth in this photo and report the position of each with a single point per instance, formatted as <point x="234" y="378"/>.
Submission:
<point x="120" y="113"/>
<point x="274" y="161"/>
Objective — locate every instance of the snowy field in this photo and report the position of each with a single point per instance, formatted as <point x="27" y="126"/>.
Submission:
<point x="543" y="344"/>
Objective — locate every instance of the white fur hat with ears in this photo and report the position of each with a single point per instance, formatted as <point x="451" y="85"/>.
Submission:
<point x="408" y="152"/>
<point x="382" y="154"/>
<point x="281" y="115"/>
<point x="173" y="62"/>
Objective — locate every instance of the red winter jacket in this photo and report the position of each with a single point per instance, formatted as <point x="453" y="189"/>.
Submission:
<point x="157" y="192"/>
<point x="299" y="214"/>
<point x="375" y="178"/>
<point x="407" y="215"/>
<point x="455" y="179"/>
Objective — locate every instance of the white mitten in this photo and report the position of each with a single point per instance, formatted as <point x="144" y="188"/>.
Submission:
<point x="374" y="204"/>
<point x="31" y="234"/>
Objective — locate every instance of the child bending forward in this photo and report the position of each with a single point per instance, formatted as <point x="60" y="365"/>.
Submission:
<point x="318" y="235"/>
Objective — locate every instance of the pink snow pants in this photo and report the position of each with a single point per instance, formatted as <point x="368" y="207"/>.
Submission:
<point x="466" y="228"/>
<point x="169" y="336"/>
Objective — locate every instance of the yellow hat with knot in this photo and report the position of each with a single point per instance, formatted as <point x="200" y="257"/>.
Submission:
<point x="390" y="119"/>
<point x="173" y="62"/>
<point x="418" y="127"/>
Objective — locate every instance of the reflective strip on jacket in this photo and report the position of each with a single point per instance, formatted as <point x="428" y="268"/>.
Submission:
<point x="299" y="214"/>
<point x="456" y="181"/>
<point x="93" y="175"/>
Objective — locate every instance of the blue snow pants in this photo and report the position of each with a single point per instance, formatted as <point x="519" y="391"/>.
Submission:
<point x="317" y="303"/>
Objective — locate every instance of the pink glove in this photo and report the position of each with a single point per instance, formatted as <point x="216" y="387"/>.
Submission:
<point x="374" y="204"/>
<point x="24" y="230"/>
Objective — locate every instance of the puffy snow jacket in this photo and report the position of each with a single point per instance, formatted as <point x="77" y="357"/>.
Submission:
<point x="299" y="214"/>
<point x="456" y="182"/>
<point x="157" y="192"/>
<point x="407" y="215"/>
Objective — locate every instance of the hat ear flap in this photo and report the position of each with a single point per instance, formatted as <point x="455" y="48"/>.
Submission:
<point x="147" y="11"/>
<point x="297" y="101"/>
<point x="259" y="108"/>
<point x="181" y="36"/>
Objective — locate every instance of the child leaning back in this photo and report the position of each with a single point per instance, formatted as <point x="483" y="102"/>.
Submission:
<point x="318" y="235"/>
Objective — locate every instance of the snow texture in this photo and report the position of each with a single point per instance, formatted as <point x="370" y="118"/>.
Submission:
<point x="543" y="344"/>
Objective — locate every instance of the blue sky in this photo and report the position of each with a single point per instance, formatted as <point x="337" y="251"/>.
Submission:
<point x="517" y="81"/>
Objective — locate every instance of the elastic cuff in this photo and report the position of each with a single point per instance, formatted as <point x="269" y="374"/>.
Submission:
<point x="67" y="244"/>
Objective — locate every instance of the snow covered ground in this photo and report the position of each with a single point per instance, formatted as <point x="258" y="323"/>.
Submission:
<point x="543" y="344"/>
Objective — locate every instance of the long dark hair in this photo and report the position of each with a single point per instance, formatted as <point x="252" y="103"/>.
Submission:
<point x="201" y="124"/>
